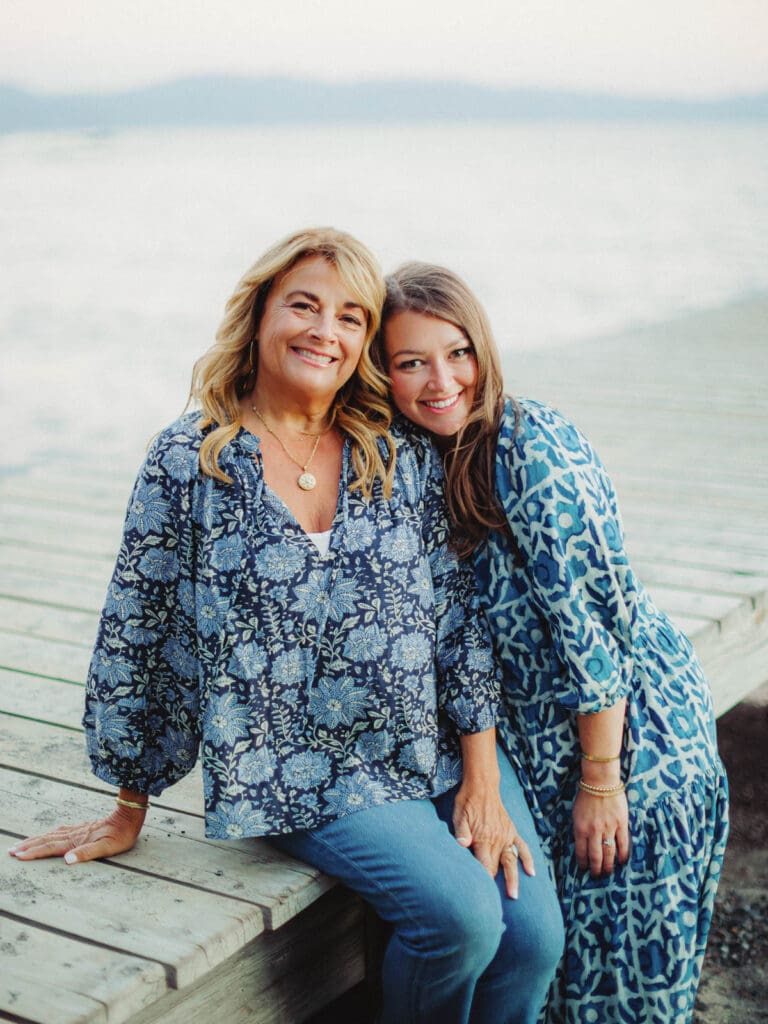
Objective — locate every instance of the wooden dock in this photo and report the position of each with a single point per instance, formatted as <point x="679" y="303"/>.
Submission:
<point x="184" y="929"/>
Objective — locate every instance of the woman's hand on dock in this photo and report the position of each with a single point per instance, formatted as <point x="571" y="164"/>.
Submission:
<point x="87" y="841"/>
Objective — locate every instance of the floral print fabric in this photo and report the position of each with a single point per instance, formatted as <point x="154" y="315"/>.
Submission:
<point x="315" y="684"/>
<point x="575" y="631"/>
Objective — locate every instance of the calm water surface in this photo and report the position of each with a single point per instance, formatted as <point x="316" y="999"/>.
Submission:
<point x="119" y="251"/>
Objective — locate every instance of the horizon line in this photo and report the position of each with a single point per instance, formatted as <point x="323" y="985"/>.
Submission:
<point x="385" y="81"/>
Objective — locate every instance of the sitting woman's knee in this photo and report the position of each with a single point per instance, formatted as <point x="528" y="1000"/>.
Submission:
<point x="533" y="935"/>
<point x="471" y="923"/>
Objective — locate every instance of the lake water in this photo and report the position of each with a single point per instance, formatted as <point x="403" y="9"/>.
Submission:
<point x="119" y="251"/>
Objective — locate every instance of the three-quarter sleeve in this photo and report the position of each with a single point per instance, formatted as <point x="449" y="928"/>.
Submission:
<point x="467" y="675"/>
<point x="141" y="708"/>
<point x="562" y="512"/>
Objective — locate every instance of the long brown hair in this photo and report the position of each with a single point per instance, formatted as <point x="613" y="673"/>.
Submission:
<point x="470" y="461"/>
<point x="228" y="369"/>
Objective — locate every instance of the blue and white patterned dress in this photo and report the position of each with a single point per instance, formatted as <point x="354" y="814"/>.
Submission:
<point x="315" y="684"/>
<point x="575" y="632"/>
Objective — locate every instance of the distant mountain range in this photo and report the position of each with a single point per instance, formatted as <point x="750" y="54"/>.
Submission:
<point x="220" y="100"/>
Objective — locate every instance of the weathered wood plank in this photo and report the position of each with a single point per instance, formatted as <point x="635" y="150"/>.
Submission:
<point x="675" y="551"/>
<point x="693" y="509"/>
<point x="48" y="978"/>
<point x="57" y="752"/>
<point x="720" y="497"/>
<point x="746" y="586"/>
<point x="694" y="519"/>
<point x="48" y="622"/>
<point x="282" y="977"/>
<point x="172" y="847"/>
<point x="51" y="658"/>
<point x="738" y="665"/>
<point x="60" y="517"/>
<point x="84" y="595"/>
<point x="24" y="490"/>
<point x="41" y="699"/>
<point x="21" y="534"/>
<point x="58" y="565"/>
<point x="52" y="535"/>
<point x="720" y="608"/>
<point x="186" y="930"/>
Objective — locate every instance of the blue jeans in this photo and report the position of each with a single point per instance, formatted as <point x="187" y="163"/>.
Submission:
<point x="461" y="951"/>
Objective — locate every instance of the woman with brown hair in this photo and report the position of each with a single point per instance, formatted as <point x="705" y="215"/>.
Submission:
<point x="606" y="713"/>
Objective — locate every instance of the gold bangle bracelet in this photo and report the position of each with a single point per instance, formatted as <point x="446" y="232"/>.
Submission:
<point x="132" y="803"/>
<point x="600" y="760"/>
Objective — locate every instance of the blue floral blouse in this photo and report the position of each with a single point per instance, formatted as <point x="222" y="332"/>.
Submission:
<point x="316" y="685"/>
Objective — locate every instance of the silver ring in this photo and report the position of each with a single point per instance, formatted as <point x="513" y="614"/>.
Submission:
<point x="609" y="843"/>
<point x="511" y="848"/>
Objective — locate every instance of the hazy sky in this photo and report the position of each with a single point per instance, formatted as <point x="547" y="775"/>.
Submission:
<point x="677" y="47"/>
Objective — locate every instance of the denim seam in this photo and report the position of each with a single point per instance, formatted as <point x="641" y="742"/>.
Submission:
<point x="420" y="964"/>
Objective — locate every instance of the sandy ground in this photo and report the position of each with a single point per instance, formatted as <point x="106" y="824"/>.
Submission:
<point x="734" y="985"/>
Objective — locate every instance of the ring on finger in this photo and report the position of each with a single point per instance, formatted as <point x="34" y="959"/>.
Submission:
<point x="512" y="848"/>
<point x="610" y="843"/>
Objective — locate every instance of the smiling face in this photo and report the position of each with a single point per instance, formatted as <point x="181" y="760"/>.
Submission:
<point x="433" y="369"/>
<point x="311" y="334"/>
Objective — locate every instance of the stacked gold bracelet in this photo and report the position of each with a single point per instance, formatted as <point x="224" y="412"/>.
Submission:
<point x="601" y="791"/>
<point x="600" y="760"/>
<point x="132" y="803"/>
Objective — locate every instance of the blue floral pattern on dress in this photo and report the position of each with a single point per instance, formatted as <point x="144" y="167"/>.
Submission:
<point x="575" y="632"/>
<point x="315" y="685"/>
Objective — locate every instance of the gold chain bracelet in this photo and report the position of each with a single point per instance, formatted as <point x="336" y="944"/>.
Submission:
<point x="601" y="791"/>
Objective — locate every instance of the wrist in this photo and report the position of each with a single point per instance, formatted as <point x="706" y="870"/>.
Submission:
<point x="131" y="802"/>
<point x="479" y="762"/>
<point x="481" y="777"/>
<point x="601" y="774"/>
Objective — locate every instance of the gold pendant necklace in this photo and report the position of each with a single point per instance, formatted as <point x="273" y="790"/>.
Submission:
<point x="306" y="480"/>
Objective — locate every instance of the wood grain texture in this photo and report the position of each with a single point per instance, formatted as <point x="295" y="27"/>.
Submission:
<point x="79" y="983"/>
<point x="679" y="414"/>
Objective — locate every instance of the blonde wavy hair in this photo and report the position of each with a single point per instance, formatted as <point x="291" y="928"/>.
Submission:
<point x="470" y="478"/>
<point x="228" y="369"/>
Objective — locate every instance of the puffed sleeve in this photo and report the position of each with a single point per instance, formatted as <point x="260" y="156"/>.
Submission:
<point x="562" y="511"/>
<point x="467" y="675"/>
<point x="141" y="707"/>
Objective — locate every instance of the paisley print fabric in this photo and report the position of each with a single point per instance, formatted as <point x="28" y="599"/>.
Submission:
<point x="315" y="684"/>
<point x="575" y="631"/>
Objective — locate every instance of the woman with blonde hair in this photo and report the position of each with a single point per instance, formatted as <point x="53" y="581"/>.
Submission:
<point x="606" y="712"/>
<point x="284" y="599"/>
